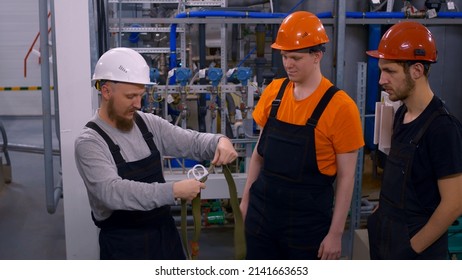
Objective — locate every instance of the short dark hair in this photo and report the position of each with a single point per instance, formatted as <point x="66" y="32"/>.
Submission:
<point x="408" y="63"/>
<point x="313" y="49"/>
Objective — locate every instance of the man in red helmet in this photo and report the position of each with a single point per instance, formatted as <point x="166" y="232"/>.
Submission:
<point x="421" y="193"/>
<point x="310" y="137"/>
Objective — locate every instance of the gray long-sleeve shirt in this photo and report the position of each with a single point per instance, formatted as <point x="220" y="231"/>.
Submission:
<point x="107" y="191"/>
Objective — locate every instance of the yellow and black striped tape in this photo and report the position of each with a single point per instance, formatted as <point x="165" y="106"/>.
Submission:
<point x="22" y="88"/>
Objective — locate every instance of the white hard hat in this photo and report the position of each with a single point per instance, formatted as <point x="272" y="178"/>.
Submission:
<point x="122" y="65"/>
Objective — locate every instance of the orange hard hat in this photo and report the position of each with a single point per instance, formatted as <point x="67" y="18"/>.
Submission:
<point x="406" y="40"/>
<point x="300" y="30"/>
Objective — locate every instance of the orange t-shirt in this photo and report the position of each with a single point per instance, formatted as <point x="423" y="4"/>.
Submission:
<point x="338" y="131"/>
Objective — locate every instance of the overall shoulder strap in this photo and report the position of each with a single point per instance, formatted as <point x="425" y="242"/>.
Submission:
<point x="115" y="149"/>
<point x="441" y="111"/>
<point x="313" y="120"/>
<point x="147" y="135"/>
<point x="277" y="100"/>
<point x="398" y="117"/>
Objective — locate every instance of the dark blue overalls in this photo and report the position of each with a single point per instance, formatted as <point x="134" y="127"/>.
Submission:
<point x="400" y="214"/>
<point x="290" y="204"/>
<point x="130" y="235"/>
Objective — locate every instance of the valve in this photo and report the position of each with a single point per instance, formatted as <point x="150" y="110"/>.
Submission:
<point x="243" y="74"/>
<point x="182" y="75"/>
<point x="215" y="75"/>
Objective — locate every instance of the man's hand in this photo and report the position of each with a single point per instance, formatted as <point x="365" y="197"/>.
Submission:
<point x="187" y="189"/>
<point x="225" y="152"/>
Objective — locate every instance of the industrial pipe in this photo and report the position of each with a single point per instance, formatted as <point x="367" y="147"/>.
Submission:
<point x="5" y="144"/>
<point x="373" y="74"/>
<point x="202" y="102"/>
<point x="397" y="15"/>
<point x="450" y="14"/>
<point x="52" y="194"/>
<point x="55" y="75"/>
<point x="375" y="15"/>
<point x="5" y="172"/>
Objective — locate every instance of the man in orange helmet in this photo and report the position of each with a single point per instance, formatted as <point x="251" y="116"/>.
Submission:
<point x="421" y="193"/>
<point x="311" y="133"/>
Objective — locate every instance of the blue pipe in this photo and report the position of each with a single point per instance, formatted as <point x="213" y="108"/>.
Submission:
<point x="375" y="15"/>
<point x="365" y="15"/>
<point x="324" y="15"/>
<point x="397" y="15"/>
<point x="450" y="14"/>
<point x="247" y="56"/>
<point x="373" y="76"/>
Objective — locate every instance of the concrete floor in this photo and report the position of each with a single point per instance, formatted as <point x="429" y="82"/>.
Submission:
<point x="27" y="230"/>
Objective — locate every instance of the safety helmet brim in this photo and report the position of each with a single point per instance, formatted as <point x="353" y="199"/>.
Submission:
<point x="375" y="53"/>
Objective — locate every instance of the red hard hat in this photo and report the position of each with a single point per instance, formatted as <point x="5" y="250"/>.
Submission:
<point x="406" y="40"/>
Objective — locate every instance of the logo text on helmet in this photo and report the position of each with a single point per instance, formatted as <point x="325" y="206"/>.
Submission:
<point x="419" y="52"/>
<point x="304" y="34"/>
<point x="122" y="69"/>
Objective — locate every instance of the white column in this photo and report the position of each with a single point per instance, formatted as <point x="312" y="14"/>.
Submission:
<point x="75" y="107"/>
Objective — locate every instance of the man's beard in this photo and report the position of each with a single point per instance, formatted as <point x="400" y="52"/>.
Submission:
<point x="120" y="122"/>
<point x="409" y="86"/>
<point x="404" y="92"/>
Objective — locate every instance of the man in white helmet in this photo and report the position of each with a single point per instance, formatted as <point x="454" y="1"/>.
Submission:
<point x="119" y="157"/>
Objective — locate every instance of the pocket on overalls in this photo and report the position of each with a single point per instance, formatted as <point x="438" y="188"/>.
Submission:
<point x="400" y="242"/>
<point x="284" y="157"/>
<point x="388" y="239"/>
